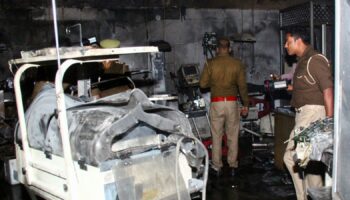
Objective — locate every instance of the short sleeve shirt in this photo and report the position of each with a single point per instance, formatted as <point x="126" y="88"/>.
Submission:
<point x="312" y="76"/>
<point x="225" y="76"/>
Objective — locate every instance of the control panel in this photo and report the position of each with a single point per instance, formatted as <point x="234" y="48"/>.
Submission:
<point x="190" y="74"/>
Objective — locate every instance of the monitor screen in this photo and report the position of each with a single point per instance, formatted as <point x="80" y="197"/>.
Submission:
<point x="190" y="70"/>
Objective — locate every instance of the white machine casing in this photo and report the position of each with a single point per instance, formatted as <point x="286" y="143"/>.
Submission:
<point x="62" y="177"/>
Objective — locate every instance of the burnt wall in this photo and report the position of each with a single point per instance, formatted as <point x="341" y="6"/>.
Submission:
<point x="183" y="29"/>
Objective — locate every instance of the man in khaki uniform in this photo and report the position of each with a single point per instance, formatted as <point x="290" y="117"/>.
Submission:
<point x="225" y="76"/>
<point x="312" y="98"/>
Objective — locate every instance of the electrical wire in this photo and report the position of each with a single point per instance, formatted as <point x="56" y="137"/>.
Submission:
<point x="132" y="82"/>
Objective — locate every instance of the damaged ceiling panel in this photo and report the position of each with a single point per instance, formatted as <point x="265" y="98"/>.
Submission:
<point x="146" y="4"/>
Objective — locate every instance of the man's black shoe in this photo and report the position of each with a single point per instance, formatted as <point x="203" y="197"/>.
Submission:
<point x="215" y="172"/>
<point x="233" y="171"/>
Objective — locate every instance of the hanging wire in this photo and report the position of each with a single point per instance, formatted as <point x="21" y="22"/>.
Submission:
<point x="54" y="14"/>
<point x="132" y="82"/>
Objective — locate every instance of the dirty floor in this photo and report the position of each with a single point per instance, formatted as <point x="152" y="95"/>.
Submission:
<point x="256" y="179"/>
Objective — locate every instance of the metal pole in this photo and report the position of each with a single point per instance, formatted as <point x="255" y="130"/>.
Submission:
<point x="281" y="46"/>
<point x="196" y="128"/>
<point x="324" y="39"/>
<point x="54" y="14"/>
<point x="208" y="120"/>
<point x="341" y="11"/>
<point x="70" y="172"/>
<point x="312" y="23"/>
<point x="63" y="127"/>
<point x="22" y="122"/>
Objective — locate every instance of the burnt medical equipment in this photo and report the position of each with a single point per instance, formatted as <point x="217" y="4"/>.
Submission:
<point x="76" y="26"/>
<point x="189" y="73"/>
<point x="276" y="84"/>
<point x="209" y="44"/>
<point x="158" y="64"/>
<point x="64" y="142"/>
<point x="314" y="142"/>
<point x="276" y="91"/>
<point x="190" y="97"/>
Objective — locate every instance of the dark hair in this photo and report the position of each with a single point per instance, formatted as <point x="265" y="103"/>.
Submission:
<point x="224" y="42"/>
<point x="299" y="32"/>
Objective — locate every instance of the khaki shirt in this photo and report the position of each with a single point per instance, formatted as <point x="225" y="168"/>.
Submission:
<point x="310" y="82"/>
<point x="225" y="76"/>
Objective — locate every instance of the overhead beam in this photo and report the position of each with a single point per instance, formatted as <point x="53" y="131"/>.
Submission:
<point x="142" y="4"/>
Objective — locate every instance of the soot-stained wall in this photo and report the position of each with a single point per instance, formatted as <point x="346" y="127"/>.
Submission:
<point x="183" y="30"/>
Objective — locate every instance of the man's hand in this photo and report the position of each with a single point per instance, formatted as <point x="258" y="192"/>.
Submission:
<point x="244" y="111"/>
<point x="275" y="77"/>
<point x="328" y="98"/>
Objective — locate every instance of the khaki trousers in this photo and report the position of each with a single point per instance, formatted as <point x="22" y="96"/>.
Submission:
<point x="303" y="118"/>
<point x="224" y="119"/>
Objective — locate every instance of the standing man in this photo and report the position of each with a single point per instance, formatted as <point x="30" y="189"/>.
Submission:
<point x="225" y="76"/>
<point x="312" y="98"/>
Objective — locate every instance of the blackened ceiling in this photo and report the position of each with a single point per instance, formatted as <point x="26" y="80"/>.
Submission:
<point x="146" y="4"/>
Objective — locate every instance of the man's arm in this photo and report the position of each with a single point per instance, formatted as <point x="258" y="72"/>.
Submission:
<point x="328" y="98"/>
<point x="242" y="86"/>
<point x="320" y="70"/>
<point x="243" y="91"/>
<point x="204" y="79"/>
